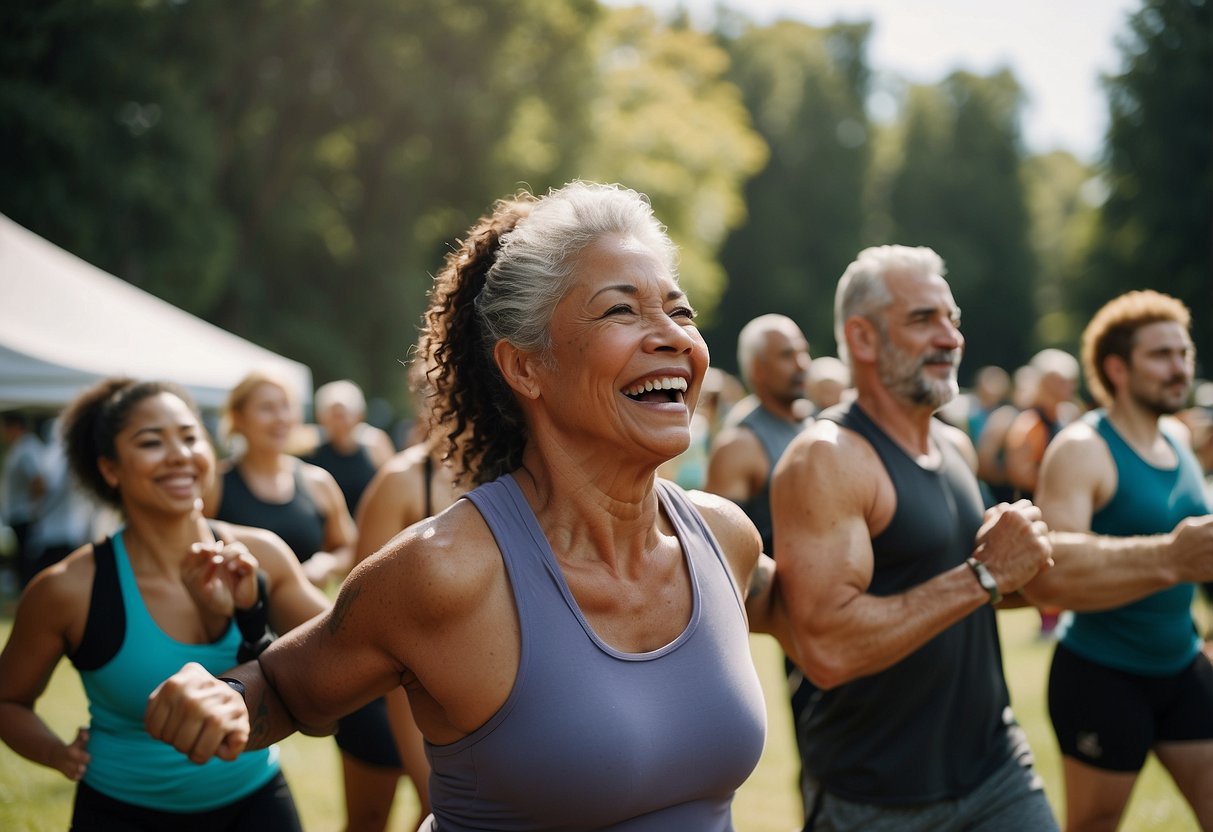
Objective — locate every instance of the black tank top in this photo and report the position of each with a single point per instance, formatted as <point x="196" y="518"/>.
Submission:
<point x="299" y="521"/>
<point x="353" y="472"/>
<point x="932" y="726"/>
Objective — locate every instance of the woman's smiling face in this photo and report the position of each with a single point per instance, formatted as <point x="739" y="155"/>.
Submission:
<point x="627" y="360"/>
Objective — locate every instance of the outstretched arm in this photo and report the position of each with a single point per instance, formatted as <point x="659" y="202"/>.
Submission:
<point x="827" y="494"/>
<point x="1095" y="572"/>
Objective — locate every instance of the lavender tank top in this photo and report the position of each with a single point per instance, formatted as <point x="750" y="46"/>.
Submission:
<point x="594" y="738"/>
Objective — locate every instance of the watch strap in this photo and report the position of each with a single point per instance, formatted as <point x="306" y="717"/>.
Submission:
<point x="987" y="581"/>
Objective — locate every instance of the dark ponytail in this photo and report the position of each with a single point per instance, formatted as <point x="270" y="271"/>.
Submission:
<point x="472" y="406"/>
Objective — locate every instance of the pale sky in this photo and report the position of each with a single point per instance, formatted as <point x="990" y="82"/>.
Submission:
<point x="1057" y="49"/>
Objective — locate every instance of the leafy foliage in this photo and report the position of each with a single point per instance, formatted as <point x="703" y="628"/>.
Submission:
<point x="806" y="88"/>
<point x="1156" y="226"/>
<point x="958" y="190"/>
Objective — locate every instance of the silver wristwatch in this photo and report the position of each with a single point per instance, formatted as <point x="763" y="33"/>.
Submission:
<point x="985" y="579"/>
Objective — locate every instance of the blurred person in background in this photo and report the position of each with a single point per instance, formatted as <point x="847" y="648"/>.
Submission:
<point x="266" y="487"/>
<point x="349" y="449"/>
<point x="22" y="486"/>
<point x="415" y="484"/>
<point x="774" y="359"/>
<point x="991" y="387"/>
<point x="1035" y="427"/>
<point x="68" y="516"/>
<point x="991" y="442"/>
<point x="720" y="392"/>
<point x="828" y="382"/>
<point x="166" y="588"/>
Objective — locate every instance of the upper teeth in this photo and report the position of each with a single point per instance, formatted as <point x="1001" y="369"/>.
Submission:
<point x="657" y="384"/>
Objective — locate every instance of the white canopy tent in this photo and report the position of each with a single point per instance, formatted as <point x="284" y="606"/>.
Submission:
<point x="65" y="324"/>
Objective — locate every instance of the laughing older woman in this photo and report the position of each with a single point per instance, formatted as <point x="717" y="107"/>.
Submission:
<point x="572" y="634"/>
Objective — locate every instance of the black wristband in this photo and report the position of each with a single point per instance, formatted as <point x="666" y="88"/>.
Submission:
<point x="255" y="633"/>
<point x="234" y="684"/>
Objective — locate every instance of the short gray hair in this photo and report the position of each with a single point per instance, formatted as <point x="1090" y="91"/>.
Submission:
<point x="753" y="337"/>
<point x="534" y="266"/>
<point x="862" y="289"/>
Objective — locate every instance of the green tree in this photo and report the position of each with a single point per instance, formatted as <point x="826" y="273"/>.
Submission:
<point x="1062" y="197"/>
<point x="958" y="190"/>
<point x="359" y="139"/>
<point x="806" y="89"/>
<point x="105" y="146"/>
<point x="1156" y="227"/>
<point x="668" y="123"/>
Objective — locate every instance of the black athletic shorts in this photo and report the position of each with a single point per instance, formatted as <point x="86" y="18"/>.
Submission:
<point x="1111" y="719"/>
<point x="366" y="735"/>
<point x="270" y="808"/>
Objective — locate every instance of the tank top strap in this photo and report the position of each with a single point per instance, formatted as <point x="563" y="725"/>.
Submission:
<point x="105" y="625"/>
<point x="691" y="530"/>
<point x="429" y="485"/>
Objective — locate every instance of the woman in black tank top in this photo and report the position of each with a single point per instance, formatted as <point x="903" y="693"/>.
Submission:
<point x="302" y="503"/>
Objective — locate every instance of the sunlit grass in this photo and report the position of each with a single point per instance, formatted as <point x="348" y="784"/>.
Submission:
<point x="35" y="799"/>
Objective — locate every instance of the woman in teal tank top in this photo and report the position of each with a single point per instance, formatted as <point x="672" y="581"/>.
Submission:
<point x="165" y="589"/>
<point x="573" y="634"/>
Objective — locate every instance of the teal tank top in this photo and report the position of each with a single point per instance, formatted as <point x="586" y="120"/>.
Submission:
<point x="591" y="738"/>
<point x="127" y="763"/>
<point x="1154" y="636"/>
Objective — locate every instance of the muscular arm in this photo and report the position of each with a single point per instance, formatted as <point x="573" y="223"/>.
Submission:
<point x="1095" y="572"/>
<point x="433" y="612"/>
<point x="826" y="497"/>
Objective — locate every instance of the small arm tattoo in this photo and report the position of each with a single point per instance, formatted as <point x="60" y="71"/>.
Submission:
<point x="259" y="724"/>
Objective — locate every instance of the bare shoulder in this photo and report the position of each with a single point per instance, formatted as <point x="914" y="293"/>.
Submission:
<point x="438" y="568"/>
<point x="824" y="451"/>
<point x="960" y="441"/>
<point x="58" y="597"/>
<point x="735" y="438"/>
<point x="315" y="475"/>
<point x="1076" y="440"/>
<point x="725" y="518"/>
<point x="1078" y="457"/>
<point x="408" y="463"/>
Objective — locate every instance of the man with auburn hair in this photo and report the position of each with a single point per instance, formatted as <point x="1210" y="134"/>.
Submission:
<point x="1130" y="678"/>
<point x="890" y="574"/>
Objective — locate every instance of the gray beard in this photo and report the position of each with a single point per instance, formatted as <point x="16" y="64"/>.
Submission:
<point x="904" y="379"/>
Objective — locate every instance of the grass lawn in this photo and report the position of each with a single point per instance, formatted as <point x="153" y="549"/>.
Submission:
<point x="35" y="799"/>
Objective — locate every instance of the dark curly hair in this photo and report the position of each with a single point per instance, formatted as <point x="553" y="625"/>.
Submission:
<point x="502" y="283"/>
<point x="97" y="415"/>
<point x="470" y="402"/>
